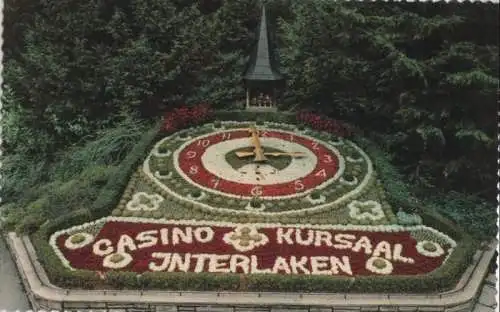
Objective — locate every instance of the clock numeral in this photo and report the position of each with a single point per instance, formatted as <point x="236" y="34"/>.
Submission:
<point x="256" y="190"/>
<point x="299" y="186"/>
<point x="321" y="173"/>
<point x="193" y="170"/>
<point x="203" y="143"/>
<point x="264" y="133"/>
<point x="191" y="154"/>
<point x="216" y="182"/>
<point x="292" y="137"/>
<point x="315" y="146"/>
<point x="327" y="159"/>
<point x="226" y="135"/>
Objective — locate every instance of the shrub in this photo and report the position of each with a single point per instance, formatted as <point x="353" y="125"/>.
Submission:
<point x="29" y="225"/>
<point x="112" y="191"/>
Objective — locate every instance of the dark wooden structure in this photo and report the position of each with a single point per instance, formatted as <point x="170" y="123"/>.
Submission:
<point x="263" y="81"/>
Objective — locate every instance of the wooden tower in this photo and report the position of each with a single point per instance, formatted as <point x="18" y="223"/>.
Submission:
<point x="263" y="81"/>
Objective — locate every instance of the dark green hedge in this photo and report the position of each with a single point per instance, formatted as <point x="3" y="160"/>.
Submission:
<point x="441" y="279"/>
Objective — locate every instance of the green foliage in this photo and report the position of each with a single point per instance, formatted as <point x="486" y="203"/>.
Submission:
<point x="112" y="191"/>
<point x="477" y="217"/>
<point x="388" y="69"/>
<point x="385" y="67"/>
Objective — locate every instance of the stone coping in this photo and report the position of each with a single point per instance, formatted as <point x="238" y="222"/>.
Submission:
<point x="35" y="281"/>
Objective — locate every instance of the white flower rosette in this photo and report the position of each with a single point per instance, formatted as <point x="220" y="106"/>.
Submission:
<point x="439" y="251"/>
<point x="245" y="238"/>
<point x="386" y="270"/>
<point x="376" y="212"/>
<point x="153" y="202"/>
<point x="71" y="245"/>
<point x="108" y="262"/>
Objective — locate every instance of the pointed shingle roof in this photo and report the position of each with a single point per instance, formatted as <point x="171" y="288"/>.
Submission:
<point x="262" y="65"/>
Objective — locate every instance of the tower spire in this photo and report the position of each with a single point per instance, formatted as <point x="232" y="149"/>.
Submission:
<point x="262" y="65"/>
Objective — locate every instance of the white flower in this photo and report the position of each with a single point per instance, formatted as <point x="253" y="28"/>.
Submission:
<point x="159" y="176"/>
<point x="249" y="207"/>
<point x="78" y="240"/>
<point x="379" y="265"/>
<point x="350" y="183"/>
<point x="184" y="138"/>
<point x="145" y="202"/>
<point x="202" y="196"/>
<point x="435" y="249"/>
<point x="117" y="260"/>
<point x="339" y="142"/>
<point x="60" y="255"/>
<point x="245" y="238"/>
<point x="156" y="152"/>
<point x="321" y="199"/>
<point x="235" y="126"/>
<point x="354" y="160"/>
<point x="356" y="207"/>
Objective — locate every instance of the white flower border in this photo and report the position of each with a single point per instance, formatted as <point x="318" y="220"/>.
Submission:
<point x="107" y="263"/>
<point x="88" y="238"/>
<point x="383" y="271"/>
<point x="350" y="227"/>
<point x="322" y="207"/>
<point x="433" y="254"/>
<point x="155" y="198"/>
<point x="376" y="213"/>
<point x="253" y="244"/>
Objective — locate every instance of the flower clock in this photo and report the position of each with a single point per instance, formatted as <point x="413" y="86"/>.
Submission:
<point x="230" y="164"/>
<point x="236" y="197"/>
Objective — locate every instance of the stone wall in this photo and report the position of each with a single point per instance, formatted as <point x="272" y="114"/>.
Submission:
<point x="45" y="296"/>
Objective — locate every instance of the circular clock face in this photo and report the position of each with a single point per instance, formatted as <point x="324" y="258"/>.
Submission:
<point x="286" y="169"/>
<point x="224" y="163"/>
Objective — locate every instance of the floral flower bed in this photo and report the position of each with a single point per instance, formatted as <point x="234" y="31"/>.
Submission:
<point x="186" y="167"/>
<point x="322" y="123"/>
<point x="140" y="245"/>
<point x="184" y="116"/>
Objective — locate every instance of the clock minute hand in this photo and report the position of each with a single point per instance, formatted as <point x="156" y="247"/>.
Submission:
<point x="242" y="154"/>
<point x="258" y="151"/>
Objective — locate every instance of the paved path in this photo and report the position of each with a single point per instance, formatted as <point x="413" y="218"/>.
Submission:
<point x="488" y="300"/>
<point x="12" y="296"/>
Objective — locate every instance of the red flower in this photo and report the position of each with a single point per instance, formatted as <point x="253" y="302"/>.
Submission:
<point x="182" y="117"/>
